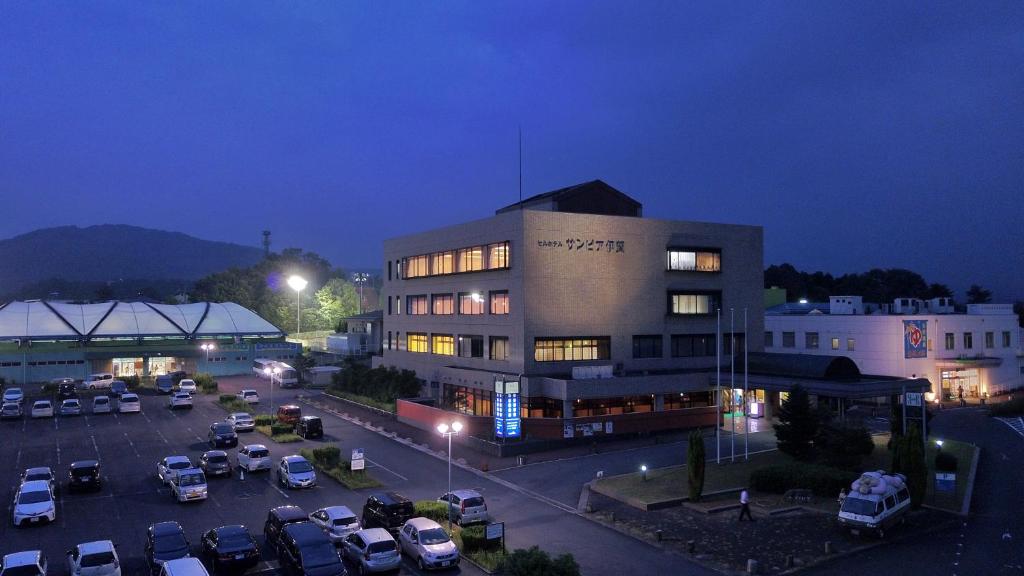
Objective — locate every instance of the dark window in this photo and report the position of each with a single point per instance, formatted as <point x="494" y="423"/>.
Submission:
<point x="647" y="346"/>
<point x="471" y="346"/>
<point x="612" y="406"/>
<point x="689" y="345"/>
<point x="1006" y="339"/>
<point x="950" y="341"/>
<point x="789" y="339"/>
<point x="389" y="303"/>
<point x="687" y="400"/>
<point x="499" y="348"/>
<point x="769" y="339"/>
<point x="968" y="340"/>
<point x="990" y="339"/>
<point x="389" y="273"/>
<point x="811" y="340"/>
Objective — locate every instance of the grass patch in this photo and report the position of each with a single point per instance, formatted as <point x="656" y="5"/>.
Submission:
<point x="281" y="438"/>
<point x="491" y="560"/>
<point x="232" y="403"/>
<point x="372" y="402"/>
<point x="327" y="461"/>
<point x="964" y="453"/>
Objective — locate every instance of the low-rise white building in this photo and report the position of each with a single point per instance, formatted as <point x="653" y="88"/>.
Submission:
<point x="978" y="352"/>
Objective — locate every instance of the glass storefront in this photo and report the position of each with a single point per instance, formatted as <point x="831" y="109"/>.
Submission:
<point x="955" y="381"/>
<point x="127" y="367"/>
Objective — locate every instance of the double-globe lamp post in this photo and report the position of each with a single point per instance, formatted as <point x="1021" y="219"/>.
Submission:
<point x="448" y="431"/>
<point x="297" y="283"/>
<point x="208" y="347"/>
<point x="271" y="372"/>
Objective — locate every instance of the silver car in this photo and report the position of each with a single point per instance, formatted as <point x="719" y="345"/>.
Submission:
<point x="428" y="544"/>
<point x="169" y="467"/>
<point x="253" y="457"/>
<point x="14" y="395"/>
<point x="71" y="407"/>
<point x="42" y="409"/>
<point x="242" y="421"/>
<point x="372" y="550"/>
<point x="296" y="472"/>
<point x="43" y="473"/>
<point x="129" y="403"/>
<point x="101" y="405"/>
<point x="467" y="506"/>
<point x="34" y="503"/>
<point x="28" y="563"/>
<point x="336" y="521"/>
<point x="94" y="559"/>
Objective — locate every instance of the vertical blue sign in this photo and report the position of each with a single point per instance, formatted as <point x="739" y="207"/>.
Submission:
<point x="915" y="338"/>
<point x="499" y="414"/>
<point x="506" y="410"/>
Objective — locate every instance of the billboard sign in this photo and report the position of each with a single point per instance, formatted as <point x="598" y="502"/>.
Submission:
<point x="915" y="338"/>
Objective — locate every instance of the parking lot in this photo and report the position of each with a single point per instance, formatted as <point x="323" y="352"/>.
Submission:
<point x="128" y="447"/>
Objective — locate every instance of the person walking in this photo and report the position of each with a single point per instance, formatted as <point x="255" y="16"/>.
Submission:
<point x="960" y="390"/>
<point x="745" y="506"/>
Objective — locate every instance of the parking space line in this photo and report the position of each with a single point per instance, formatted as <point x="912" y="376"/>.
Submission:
<point x="161" y="435"/>
<point x="132" y="444"/>
<point x="276" y="487"/>
<point x="386" y="469"/>
<point x="146" y="417"/>
<point x="95" y="446"/>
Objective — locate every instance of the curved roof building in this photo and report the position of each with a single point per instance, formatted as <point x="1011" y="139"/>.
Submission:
<point x="42" y="320"/>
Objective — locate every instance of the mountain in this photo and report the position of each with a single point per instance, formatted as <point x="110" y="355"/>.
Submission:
<point x="69" y="258"/>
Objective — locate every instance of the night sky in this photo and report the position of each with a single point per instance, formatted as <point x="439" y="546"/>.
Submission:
<point x="858" y="134"/>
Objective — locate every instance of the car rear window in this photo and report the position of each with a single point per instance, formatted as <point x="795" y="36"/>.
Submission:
<point x="22" y="571"/>
<point x="258" y="453"/>
<point x="217" y="458"/>
<point x="223" y="429"/>
<point x="473" y="502"/>
<point x="345" y="521"/>
<point x="37" y="476"/>
<point x="42" y="404"/>
<point x="382" y="546"/>
<point x="97" y="559"/>
<point x="129" y="398"/>
<point x="79" y="472"/>
<point x="101" y="400"/>
<point x="179" y="465"/>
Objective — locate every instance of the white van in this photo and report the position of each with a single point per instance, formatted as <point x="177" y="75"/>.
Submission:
<point x="183" y="567"/>
<point x="876" y="502"/>
<point x="97" y="381"/>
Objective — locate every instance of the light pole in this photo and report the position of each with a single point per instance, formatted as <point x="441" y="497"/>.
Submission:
<point x="360" y="278"/>
<point x="449" y="431"/>
<point x="298" y="283"/>
<point x="207" y="347"/>
<point x="272" y="372"/>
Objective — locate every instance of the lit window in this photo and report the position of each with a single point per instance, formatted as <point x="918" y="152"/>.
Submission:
<point x="417" y="304"/>
<point x="499" y="302"/>
<point x="694" y="260"/>
<point x="499" y="348"/>
<point x="497" y="256"/>
<point x="417" y="342"/>
<point x="571" y="349"/>
<point x="471" y="259"/>
<point x="851" y="344"/>
<point x="471" y="303"/>
<point x="443" y="304"/>
<point x="835" y="343"/>
<point x="692" y="304"/>
<point x="443" y="344"/>
<point x="416" y="267"/>
<point x="442" y="263"/>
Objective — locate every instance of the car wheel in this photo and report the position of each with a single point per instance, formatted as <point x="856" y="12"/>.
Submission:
<point x="881" y="533"/>
<point x="91" y="387"/>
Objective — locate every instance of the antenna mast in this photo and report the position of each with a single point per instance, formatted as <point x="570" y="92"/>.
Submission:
<point x="520" y="165"/>
<point x="266" y="243"/>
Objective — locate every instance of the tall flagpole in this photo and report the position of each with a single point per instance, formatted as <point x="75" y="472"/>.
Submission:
<point x="746" y="412"/>
<point x="718" y="389"/>
<point x="732" y="379"/>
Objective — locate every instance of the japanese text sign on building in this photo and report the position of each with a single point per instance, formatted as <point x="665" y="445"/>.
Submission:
<point x="915" y="338"/>
<point x="585" y="245"/>
<point x="506" y="409"/>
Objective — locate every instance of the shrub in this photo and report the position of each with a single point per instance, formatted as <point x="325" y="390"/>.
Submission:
<point x="265" y="419"/>
<point x="205" y="383"/>
<point x="534" y="561"/>
<point x="945" y="462"/>
<point x="132" y="382"/>
<point x="909" y="456"/>
<point x="327" y="456"/>
<point x="843" y="447"/>
<point x="473" y="539"/>
<point x="276" y="429"/>
<point x="798" y="425"/>
<point x="695" y="462"/>
<point x="822" y="480"/>
<point x="1013" y="407"/>
<point x="436" y="511"/>
<point x="224" y="398"/>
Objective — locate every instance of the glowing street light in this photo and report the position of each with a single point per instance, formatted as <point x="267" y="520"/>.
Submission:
<point x="271" y="372"/>
<point x="448" y="431"/>
<point x="643" y="471"/>
<point x="207" y="347"/>
<point x="298" y="283"/>
<point x="939" y="444"/>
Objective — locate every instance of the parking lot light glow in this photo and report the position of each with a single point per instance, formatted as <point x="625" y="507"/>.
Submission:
<point x="442" y="428"/>
<point x="939" y="444"/>
<point x="457" y="426"/>
<point x="643" y="471"/>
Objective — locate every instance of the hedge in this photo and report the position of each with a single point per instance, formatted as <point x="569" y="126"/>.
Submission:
<point x="265" y="419"/>
<point x="276" y="429"/>
<point x="436" y="511"/>
<point x="205" y="383"/>
<point x="1013" y="407"/>
<point x="822" y="480"/>
<point x="327" y="456"/>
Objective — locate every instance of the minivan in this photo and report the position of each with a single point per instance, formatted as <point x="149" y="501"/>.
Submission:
<point x="304" y="549"/>
<point x="100" y="380"/>
<point x="388" y="510"/>
<point x="277" y="519"/>
<point x="876" y="502"/>
<point x="289" y="414"/>
<point x="310" y="427"/>
<point x="164" y="384"/>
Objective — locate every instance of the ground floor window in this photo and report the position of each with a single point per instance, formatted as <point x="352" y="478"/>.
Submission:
<point x="956" y="381"/>
<point x="541" y="407"/>
<point x="468" y="400"/>
<point x="612" y="406"/>
<point x="689" y="400"/>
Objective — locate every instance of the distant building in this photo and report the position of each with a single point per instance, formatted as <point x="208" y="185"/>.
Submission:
<point x="978" y="350"/>
<point x="362" y="336"/>
<point x="42" y="340"/>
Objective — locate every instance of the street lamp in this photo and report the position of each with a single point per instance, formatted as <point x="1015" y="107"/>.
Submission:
<point x="207" y="347"/>
<point x="360" y="278"/>
<point x="271" y="372"/>
<point x="449" y="431"/>
<point x="298" y="283"/>
<point x="939" y="444"/>
<point x="643" y="471"/>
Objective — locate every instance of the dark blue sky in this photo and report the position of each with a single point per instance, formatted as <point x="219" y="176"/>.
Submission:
<point x="859" y="135"/>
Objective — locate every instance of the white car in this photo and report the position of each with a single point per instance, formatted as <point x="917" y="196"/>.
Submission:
<point x="169" y="467"/>
<point x="189" y="484"/>
<point x="40" y="473"/>
<point x="42" y="409"/>
<point x="10" y="410"/>
<point x="187" y="385"/>
<point x="34" y="503"/>
<point x="180" y="400"/>
<point x="129" y="403"/>
<point x="71" y="407"/>
<point x="295" y="472"/>
<point x="14" y="395"/>
<point x="336" y="521"/>
<point x="28" y="563"/>
<point x="253" y="457"/>
<point x="428" y="544"/>
<point x="96" y="381"/>
<point x="249" y="396"/>
<point x="183" y="567"/>
<point x="101" y="405"/>
<point x="241" y="421"/>
<point x="94" y="559"/>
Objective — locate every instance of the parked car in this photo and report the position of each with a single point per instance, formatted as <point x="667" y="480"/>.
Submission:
<point x="42" y="409"/>
<point x="189" y="485"/>
<point x="99" y="381"/>
<point x="183" y="567"/>
<point x="10" y="410"/>
<point x="467" y="506"/>
<point x="372" y="550"/>
<point x="310" y="427"/>
<point x="28" y="563"/>
<point x="215" y="463"/>
<point x="14" y="395"/>
<point x="169" y="467"/>
<point x="222" y="434"/>
<point x="388" y="510"/>
<point x="164" y="384"/>
<point x="43" y="473"/>
<point x="277" y="518"/>
<point x="33" y="503"/>
<point x="177" y="375"/>
<point x="230" y="549"/>
<point x="187" y="385"/>
<point x="305" y="550"/>
<point x="181" y="400"/>
<point x="94" y="559"/>
<point x="253" y="457"/>
<point x="885" y="504"/>
<point x="66" y="388"/>
<point x="249" y="396"/>
<point x="165" y="541"/>
<point x="295" y="472"/>
<point x="289" y="414"/>
<point x="118" y="387"/>
<point x="336" y="521"/>
<point x="70" y="407"/>
<point x="241" y="421"/>
<point x="84" y="475"/>
<point x="129" y="403"/>
<point x="101" y="405"/>
<point x="428" y="544"/>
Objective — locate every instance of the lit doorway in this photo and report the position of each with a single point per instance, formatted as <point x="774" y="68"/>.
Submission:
<point x="127" y="367"/>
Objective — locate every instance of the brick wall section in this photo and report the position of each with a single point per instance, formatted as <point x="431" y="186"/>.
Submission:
<point x="551" y="428"/>
<point x="428" y="417"/>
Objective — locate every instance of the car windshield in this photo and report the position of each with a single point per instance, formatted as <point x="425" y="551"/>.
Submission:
<point x="382" y="546"/>
<point x="170" y="544"/>
<point x="860" y="506"/>
<point x="179" y="465"/>
<point x="433" y="536"/>
<point x="323" y="554"/>
<point x="22" y="571"/>
<point x="38" y="476"/>
<point x="43" y="404"/>
<point x="217" y="458"/>
<point x="299" y="467"/>
<point x="97" y="559"/>
<point x="34" y="497"/>
<point x="223" y="429"/>
<point x="101" y="400"/>
<point x="346" y="521"/>
<point x="194" y="479"/>
<point x="258" y="453"/>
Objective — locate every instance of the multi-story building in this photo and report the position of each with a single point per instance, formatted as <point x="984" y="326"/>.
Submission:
<point x="977" y="351"/>
<point x="605" y="318"/>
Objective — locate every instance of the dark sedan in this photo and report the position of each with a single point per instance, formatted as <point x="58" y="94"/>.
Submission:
<point x="84" y="475"/>
<point x="215" y="463"/>
<point x="222" y="434"/>
<point x="165" y="541"/>
<point x="230" y="548"/>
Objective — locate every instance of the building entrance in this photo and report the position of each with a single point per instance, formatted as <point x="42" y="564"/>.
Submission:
<point x="127" y="367"/>
<point x="161" y="365"/>
<point x="955" y="380"/>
